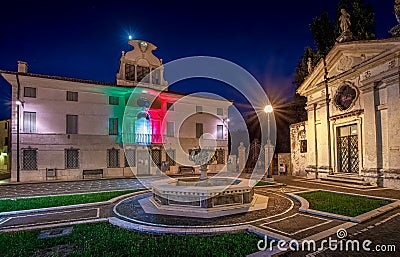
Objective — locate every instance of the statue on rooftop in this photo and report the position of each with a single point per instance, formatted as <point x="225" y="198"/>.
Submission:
<point x="345" y="23"/>
<point x="395" y="31"/>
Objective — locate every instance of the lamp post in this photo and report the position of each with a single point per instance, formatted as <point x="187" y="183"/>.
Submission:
<point x="268" y="109"/>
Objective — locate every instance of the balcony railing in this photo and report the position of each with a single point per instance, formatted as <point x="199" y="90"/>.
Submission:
<point x="142" y="139"/>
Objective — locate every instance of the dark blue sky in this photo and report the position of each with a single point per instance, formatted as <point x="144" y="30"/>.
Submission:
<point x="85" y="39"/>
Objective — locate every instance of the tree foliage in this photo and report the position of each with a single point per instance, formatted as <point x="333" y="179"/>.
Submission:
<point x="323" y="32"/>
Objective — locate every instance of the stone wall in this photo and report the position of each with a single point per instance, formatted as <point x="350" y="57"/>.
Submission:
<point x="298" y="158"/>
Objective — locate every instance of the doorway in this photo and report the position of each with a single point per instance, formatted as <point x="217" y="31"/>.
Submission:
<point x="347" y="143"/>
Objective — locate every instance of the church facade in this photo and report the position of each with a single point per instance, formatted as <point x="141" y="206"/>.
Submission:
<point x="70" y="129"/>
<point x="353" y="106"/>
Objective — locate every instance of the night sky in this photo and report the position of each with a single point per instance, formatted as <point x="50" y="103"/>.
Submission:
<point x="85" y="39"/>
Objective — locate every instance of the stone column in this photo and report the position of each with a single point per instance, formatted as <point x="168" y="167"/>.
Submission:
<point x="269" y="153"/>
<point x="241" y="157"/>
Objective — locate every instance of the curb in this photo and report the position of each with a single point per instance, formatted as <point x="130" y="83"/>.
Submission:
<point x="305" y="207"/>
<point x="67" y="207"/>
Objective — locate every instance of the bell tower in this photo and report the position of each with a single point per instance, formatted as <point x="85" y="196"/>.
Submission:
<point x="140" y="67"/>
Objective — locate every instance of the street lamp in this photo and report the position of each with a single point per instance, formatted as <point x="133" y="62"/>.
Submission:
<point x="268" y="109"/>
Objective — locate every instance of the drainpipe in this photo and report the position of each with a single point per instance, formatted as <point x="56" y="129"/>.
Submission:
<point x="327" y="100"/>
<point x="315" y="141"/>
<point x="18" y="117"/>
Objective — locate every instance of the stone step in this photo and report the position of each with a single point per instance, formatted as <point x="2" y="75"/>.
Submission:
<point x="346" y="180"/>
<point x="346" y="176"/>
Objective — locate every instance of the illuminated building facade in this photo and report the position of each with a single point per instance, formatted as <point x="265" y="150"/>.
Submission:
<point x="72" y="129"/>
<point x="4" y="146"/>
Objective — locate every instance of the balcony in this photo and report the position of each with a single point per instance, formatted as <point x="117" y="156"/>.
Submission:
<point x="142" y="139"/>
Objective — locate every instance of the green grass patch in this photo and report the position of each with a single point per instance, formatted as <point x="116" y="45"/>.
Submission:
<point x="342" y="204"/>
<point x="264" y="183"/>
<point x="17" y="204"/>
<point x="103" y="239"/>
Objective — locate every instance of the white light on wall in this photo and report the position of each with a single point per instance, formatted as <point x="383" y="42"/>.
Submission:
<point x="18" y="102"/>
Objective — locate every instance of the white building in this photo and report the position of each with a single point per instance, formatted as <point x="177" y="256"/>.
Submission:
<point x="4" y="147"/>
<point x="363" y="122"/>
<point x="72" y="128"/>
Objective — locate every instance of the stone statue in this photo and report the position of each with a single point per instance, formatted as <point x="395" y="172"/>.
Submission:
<point x="345" y="23"/>
<point x="309" y="66"/>
<point x="395" y="31"/>
<point x="201" y="157"/>
<point x="344" y="20"/>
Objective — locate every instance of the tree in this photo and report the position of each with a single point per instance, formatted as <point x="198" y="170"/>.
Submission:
<point x="323" y="33"/>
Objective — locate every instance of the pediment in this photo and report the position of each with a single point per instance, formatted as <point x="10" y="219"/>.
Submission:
<point x="344" y="57"/>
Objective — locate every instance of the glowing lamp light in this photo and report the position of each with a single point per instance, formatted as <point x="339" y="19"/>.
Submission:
<point x="268" y="108"/>
<point x="228" y="120"/>
<point x="18" y="102"/>
<point x="130" y="37"/>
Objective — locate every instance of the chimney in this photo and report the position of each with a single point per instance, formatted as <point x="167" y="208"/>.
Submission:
<point x="22" y="67"/>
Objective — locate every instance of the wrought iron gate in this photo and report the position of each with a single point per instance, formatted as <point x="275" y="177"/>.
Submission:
<point x="348" y="154"/>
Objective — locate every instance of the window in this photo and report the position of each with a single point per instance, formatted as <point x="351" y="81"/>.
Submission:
<point x="220" y="111"/>
<point x="199" y="130"/>
<point x="142" y="73"/>
<point x="29" y="125"/>
<point x="156" y="104"/>
<point x="72" y="124"/>
<point x="220" y="132"/>
<point x="112" y="158"/>
<point x="29" y="159"/>
<point x="113" y="100"/>
<point x="220" y="156"/>
<point x="113" y="126"/>
<point x="170" y="107"/>
<point x="155" y="76"/>
<point x="129" y="72"/>
<point x="130" y="158"/>
<point x="71" y="158"/>
<point x="30" y="92"/>
<point x="170" y="129"/>
<point x="199" y="108"/>
<point x="6" y="125"/>
<point x="170" y="157"/>
<point x="303" y="146"/>
<point x="72" y="96"/>
<point x="5" y="161"/>
<point x="6" y="141"/>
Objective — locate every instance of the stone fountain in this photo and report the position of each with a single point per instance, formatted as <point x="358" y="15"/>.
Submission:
<point x="203" y="197"/>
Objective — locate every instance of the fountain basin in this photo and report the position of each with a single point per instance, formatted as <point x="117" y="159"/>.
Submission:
<point x="208" y="198"/>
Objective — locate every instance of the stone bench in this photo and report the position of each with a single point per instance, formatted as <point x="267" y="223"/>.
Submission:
<point x="182" y="169"/>
<point x="96" y="173"/>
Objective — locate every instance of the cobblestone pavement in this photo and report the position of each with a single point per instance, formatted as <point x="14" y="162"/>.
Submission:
<point x="70" y="187"/>
<point x="291" y="224"/>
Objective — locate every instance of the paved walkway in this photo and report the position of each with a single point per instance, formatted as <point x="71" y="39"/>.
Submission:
<point x="287" y="225"/>
<point x="71" y="187"/>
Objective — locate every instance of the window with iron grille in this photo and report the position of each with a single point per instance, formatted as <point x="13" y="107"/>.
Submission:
<point x="156" y="157"/>
<point x="142" y="73"/>
<point x="29" y="159"/>
<point x="71" y="158"/>
<point x="72" y="96"/>
<point x="220" y="156"/>
<point x="220" y="132"/>
<point x="220" y="111"/>
<point x="129" y="71"/>
<point x="199" y="130"/>
<point x="72" y="124"/>
<point x="112" y="158"/>
<point x="30" y="92"/>
<point x="113" y="126"/>
<point x="303" y="146"/>
<point x="130" y="158"/>
<point x="29" y="125"/>
<point x="170" y="157"/>
<point x="113" y="100"/>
